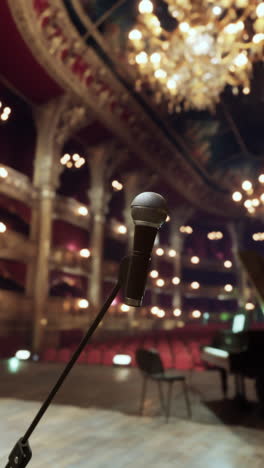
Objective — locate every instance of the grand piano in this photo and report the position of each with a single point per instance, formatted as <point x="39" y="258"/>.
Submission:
<point x="239" y="351"/>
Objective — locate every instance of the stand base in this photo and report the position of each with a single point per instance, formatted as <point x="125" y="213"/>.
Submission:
<point x="20" y="455"/>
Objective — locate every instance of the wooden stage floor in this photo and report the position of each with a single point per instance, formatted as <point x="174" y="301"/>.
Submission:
<point x="94" y="422"/>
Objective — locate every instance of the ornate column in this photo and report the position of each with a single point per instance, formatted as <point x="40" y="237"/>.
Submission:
<point x="178" y="217"/>
<point x="99" y="195"/>
<point x="54" y="121"/>
<point x="236" y="231"/>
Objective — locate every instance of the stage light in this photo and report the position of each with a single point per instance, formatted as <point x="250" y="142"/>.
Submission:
<point x="23" y="354"/>
<point x="122" y="359"/>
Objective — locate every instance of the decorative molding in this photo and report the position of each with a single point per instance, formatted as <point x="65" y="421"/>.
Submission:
<point x="58" y="47"/>
<point x="67" y="209"/>
<point x="15" y="246"/>
<point x="17" y="185"/>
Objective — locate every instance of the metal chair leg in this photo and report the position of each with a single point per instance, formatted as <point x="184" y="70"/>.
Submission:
<point x="187" y="400"/>
<point x="161" y="396"/>
<point x="143" y="393"/>
<point x="168" y="401"/>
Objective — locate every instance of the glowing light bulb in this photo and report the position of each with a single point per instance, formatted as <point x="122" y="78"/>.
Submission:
<point x="195" y="260"/>
<point x="217" y="10"/>
<point x="155" y="58"/>
<point x="154" y="274"/>
<point x="83" y="303"/>
<point x="3" y="172"/>
<point x="160" y="73"/>
<point x="2" y="227"/>
<point x="160" y="282"/>
<point x="154" y="310"/>
<point x="195" y="285"/>
<point x="176" y="280"/>
<point x="237" y="196"/>
<point x="228" y="287"/>
<point x="85" y="253"/>
<point x="249" y="306"/>
<point x="160" y="252"/>
<point x="141" y="58"/>
<point x="135" y="35"/>
<point x="177" y="312"/>
<point x="241" y="60"/>
<point x="125" y="308"/>
<point x="196" y="313"/>
<point x="261" y="178"/>
<point x="75" y="157"/>
<point x="83" y="211"/>
<point x="257" y="38"/>
<point x="246" y="185"/>
<point x="227" y="264"/>
<point x="260" y="10"/>
<point x="172" y="253"/>
<point x="184" y="27"/>
<point x="122" y="229"/>
<point x="171" y="84"/>
<point x="145" y="6"/>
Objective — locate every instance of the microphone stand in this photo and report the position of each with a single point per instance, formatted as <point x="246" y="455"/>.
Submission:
<point x="21" y="453"/>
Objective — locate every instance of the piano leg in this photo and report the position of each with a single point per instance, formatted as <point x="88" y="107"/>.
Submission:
<point x="240" y="393"/>
<point x="224" y="384"/>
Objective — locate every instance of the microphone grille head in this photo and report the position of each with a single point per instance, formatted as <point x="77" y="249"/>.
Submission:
<point x="149" y="209"/>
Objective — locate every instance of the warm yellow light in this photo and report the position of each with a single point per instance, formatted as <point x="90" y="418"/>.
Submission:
<point x="177" y="312"/>
<point x="227" y="264"/>
<point x="141" y="58"/>
<point x="237" y="196"/>
<point x="2" y="227"/>
<point x="125" y="308"/>
<point x="176" y="280"/>
<point x="145" y="6"/>
<point x="172" y="253"/>
<point x="249" y="306"/>
<point x="161" y="313"/>
<point x="160" y="282"/>
<point x="80" y="162"/>
<point x="195" y="260"/>
<point x="154" y="274"/>
<point x="167" y="219"/>
<point x="65" y="158"/>
<point x="83" y="211"/>
<point x="85" y="253"/>
<point x="228" y="287"/>
<point x="4" y="116"/>
<point x="160" y="73"/>
<point x="246" y="90"/>
<point x="7" y="110"/>
<point x="75" y="157"/>
<point x="246" y="185"/>
<point x="261" y="179"/>
<point x="248" y="203"/>
<point x="217" y="10"/>
<point x="135" y="34"/>
<point x="260" y="10"/>
<point x="83" y="303"/>
<point x="241" y="60"/>
<point x="262" y="197"/>
<point x="69" y="164"/>
<point x="122" y="229"/>
<point x="255" y="202"/>
<point x="184" y="27"/>
<point x="257" y="38"/>
<point x="160" y="252"/>
<point x="196" y="313"/>
<point x="171" y="84"/>
<point x="3" y="172"/>
<point x="117" y="185"/>
<point x="155" y="58"/>
<point x="154" y="310"/>
<point x="195" y="285"/>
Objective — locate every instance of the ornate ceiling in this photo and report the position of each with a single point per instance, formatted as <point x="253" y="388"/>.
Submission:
<point x="76" y="47"/>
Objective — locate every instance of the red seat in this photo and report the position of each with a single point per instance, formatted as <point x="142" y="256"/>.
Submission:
<point x="49" y="355"/>
<point x="63" y="355"/>
<point x="94" y="357"/>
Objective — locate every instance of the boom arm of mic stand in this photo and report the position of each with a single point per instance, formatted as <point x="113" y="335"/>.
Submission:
<point x="21" y="453"/>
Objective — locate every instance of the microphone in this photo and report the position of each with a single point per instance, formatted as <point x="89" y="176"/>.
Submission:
<point x="149" y="211"/>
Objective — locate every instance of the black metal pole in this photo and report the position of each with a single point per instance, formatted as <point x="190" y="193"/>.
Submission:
<point x="21" y="453"/>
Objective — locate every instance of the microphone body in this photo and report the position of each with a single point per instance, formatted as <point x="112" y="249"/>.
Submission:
<point x="149" y="211"/>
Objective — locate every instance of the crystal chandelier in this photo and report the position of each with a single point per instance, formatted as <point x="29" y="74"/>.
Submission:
<point x="251" y="195"/>
<point x="190" y="52"/>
